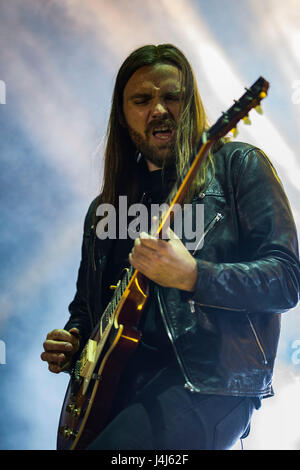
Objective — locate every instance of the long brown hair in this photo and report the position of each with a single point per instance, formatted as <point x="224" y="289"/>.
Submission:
<point x="120" y="163"/>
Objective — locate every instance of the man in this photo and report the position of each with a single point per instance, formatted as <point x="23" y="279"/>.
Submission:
<point x="211" y="325"/>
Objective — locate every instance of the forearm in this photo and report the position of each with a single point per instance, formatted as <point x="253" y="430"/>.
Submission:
<point x="79" y="308"/>
<point x="79" y="312"/>
<point x="268" y="285"/>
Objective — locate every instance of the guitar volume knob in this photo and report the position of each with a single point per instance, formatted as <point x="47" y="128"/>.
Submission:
<point x="67" y="433"/>
<point x="71" y="408"/>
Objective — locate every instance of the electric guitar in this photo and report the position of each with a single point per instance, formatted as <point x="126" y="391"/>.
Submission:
<point x="94" y="379"/>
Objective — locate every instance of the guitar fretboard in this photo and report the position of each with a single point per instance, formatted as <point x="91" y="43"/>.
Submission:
<point x="108" y="314"/>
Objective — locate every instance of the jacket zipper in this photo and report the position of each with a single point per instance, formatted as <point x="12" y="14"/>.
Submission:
<point x="257" y="341"/>
<point x="210" y="226"/>
<point x="208" y="229"/>
<point x="162" y="308"/>
<point x="232" y="309"/>
<point x="188" y="385"/>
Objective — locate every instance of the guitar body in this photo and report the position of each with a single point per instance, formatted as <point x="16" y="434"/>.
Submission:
<point x="90" y="394"/>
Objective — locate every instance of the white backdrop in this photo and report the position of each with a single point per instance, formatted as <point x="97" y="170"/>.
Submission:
<point x="58" y="62"/>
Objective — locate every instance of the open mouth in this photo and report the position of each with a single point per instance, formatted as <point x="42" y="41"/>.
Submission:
<point x="163" y="133"/>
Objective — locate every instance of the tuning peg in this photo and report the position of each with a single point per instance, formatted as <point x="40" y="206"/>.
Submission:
<point x="235" y="132"/>
<point x="258" y="109"/>
<point x="246" y="120"/>
<point x="237" y="106"/>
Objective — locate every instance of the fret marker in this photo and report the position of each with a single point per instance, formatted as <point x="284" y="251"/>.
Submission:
<point x="131" y="339"/>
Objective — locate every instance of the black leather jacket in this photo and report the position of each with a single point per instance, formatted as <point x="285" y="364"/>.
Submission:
<point x="225" y="334"/>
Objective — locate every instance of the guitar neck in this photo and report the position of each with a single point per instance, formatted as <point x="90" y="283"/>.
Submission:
<point x="181" y="187"/>
<point x="119" y="290"/>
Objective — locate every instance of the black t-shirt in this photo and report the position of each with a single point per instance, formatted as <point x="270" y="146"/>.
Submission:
<point x="153" y="190"/>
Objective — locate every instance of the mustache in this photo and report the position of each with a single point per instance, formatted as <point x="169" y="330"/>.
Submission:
<point x="167" y="122"/>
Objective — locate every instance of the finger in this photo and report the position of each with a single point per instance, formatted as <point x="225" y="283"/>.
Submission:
<point x="74" y="332"/>
<point x="151" y="243"/>
<point x="60" y="335"/>
<point x="168" y="234"/>
<point x="139" y="262"/>
<point x="55" y="358"/>
<point x="75" y="338"/>
<point x="59" y="368"/>
<point x="146" y="241"/>
<point x="51" y="346"/>
<point x="172" y="235"/>
<point x="141" y="249"/>
<point x="144" y="255"/>
<point x="56" y="334"/>
<point x="64" y="336"/>
<point x="146" y="266"/>
<point x="54" y="368"/>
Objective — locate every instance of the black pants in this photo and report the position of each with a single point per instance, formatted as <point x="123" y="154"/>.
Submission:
<point x="165" y="415"/>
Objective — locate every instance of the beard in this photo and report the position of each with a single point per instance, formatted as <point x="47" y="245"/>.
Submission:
<point x="161" y="155"/>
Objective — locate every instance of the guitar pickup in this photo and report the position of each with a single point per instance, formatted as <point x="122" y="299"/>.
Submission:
<point x="87" y="358"/>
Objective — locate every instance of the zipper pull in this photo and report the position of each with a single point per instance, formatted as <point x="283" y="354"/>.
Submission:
<point x="142" y="198"/>
<point x="190" y="387"/>
<point x="192" y="305"/>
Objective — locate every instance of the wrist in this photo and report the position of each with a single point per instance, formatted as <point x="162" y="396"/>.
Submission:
<point x="190" y="282"/>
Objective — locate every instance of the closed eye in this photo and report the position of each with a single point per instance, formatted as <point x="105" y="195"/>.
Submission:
<point x="143" y="98"/>
<point x="140" y="98"/>
<point x="173" y="96"/>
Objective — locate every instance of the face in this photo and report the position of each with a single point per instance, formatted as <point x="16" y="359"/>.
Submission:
<point x="151" y="106"/>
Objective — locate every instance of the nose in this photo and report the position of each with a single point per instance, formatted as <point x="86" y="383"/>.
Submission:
<point x="159" y="109"/>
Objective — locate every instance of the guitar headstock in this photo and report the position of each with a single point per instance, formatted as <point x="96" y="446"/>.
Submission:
<point x="240" y="110"/>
